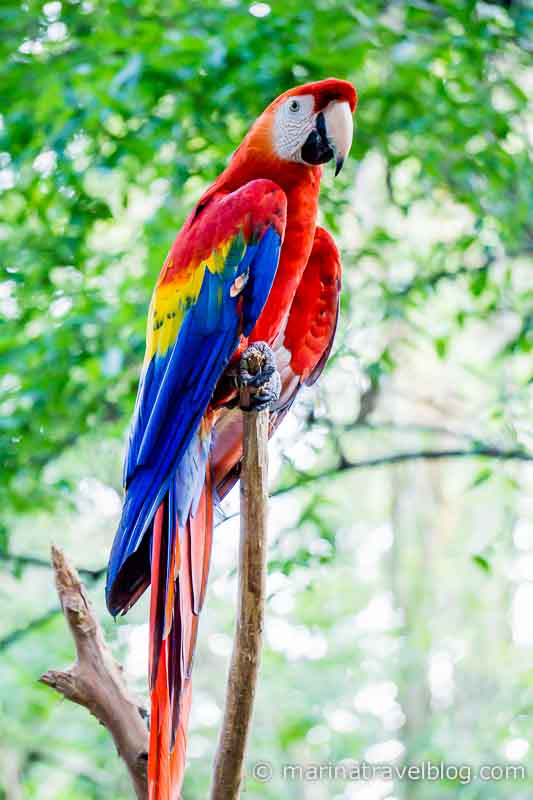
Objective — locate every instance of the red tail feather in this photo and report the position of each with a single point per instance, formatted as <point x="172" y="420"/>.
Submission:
<point x="201" y="532"/>
<point x="179" y="578"/>
<point x="159" y="757"/>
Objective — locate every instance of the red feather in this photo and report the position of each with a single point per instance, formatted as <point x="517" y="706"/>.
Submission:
<point x="301" y="353"/>
<point x="313" y="315"/>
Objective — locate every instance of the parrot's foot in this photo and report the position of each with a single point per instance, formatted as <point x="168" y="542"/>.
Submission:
<point x="258" y="378"/>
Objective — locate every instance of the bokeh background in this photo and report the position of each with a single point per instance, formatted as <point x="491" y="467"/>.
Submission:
<point x="400" y="615"/>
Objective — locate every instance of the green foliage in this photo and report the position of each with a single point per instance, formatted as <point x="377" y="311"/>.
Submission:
<point x="115" y="115"/>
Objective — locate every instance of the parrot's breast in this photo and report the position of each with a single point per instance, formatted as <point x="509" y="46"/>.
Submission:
<point x="302" y="209"/>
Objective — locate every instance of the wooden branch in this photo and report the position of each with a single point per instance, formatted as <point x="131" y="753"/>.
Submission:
<point x="481" y="451"/>
<point x="95" y="681"/>
<point x="244" y="665"/>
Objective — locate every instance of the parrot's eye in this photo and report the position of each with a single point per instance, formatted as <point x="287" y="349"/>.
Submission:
<point x="294" y="106"/>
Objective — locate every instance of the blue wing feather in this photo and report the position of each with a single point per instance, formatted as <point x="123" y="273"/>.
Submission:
<point x="175" y="391"/>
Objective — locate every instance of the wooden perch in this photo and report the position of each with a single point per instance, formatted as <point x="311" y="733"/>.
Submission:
<point x="244" y="665"/>
<point x="95" y="681"/>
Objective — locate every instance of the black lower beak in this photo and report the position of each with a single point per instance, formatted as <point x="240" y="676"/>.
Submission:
<point x="317" y="149"/>
<point x="338" y="165"/>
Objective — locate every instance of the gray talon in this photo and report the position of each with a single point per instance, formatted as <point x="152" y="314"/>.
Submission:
<point x="258" y="373"/>
<point x="258" y="380"/>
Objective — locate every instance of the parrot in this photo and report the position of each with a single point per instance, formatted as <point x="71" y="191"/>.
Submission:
<point x="249" y="272"/>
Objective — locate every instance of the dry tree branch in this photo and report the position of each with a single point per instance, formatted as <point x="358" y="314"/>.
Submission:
<point x="345" y="465"/>
<point x="95" y="681"/>
<point x="245" y="658"/>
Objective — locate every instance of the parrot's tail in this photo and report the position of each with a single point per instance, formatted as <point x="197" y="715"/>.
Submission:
<point x="180" y="565"/>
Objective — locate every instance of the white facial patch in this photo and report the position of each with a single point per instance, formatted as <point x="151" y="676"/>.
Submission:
<point x="293" y="123"/>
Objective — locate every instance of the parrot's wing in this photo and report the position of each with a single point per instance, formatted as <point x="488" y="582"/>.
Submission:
<point x="313" y="317"/>
<point x="301" y="352"/>
<point x="212" y="288"/>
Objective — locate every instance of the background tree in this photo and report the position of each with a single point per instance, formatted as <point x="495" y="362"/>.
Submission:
<point x="401" y="572"/>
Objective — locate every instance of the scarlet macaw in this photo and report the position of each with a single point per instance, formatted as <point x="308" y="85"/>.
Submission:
<point x="249" y="268"/>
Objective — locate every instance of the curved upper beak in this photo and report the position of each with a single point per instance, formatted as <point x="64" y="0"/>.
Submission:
<point x="331" y="137"/>
<point x="339" y="129"/>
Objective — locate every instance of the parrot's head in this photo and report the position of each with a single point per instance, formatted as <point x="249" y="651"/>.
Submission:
<point x="312" y="124"/>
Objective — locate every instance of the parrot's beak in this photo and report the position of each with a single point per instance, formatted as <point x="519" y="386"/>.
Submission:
<point x="331" y="137"/>
<point x="339" y="125"/>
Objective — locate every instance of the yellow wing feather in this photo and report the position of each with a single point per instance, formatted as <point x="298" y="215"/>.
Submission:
<point x="171" y="299"/>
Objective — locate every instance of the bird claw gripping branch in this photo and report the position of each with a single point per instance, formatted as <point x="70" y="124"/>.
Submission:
<point x="258" y="378"/>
